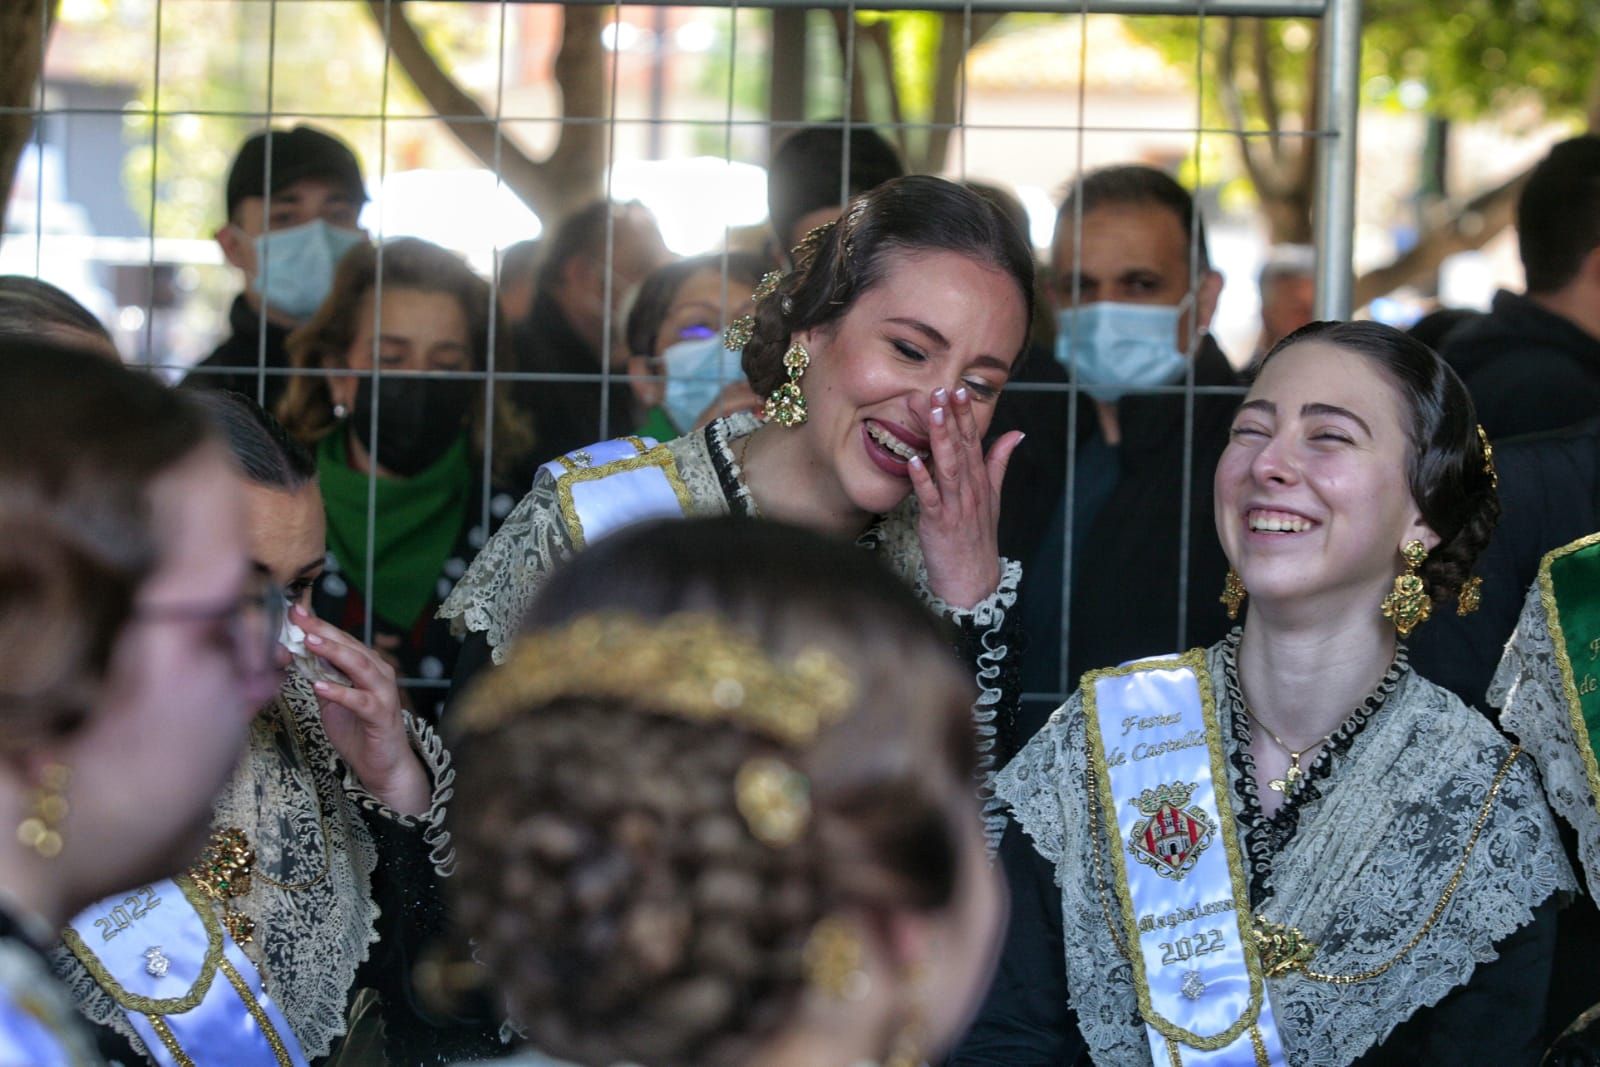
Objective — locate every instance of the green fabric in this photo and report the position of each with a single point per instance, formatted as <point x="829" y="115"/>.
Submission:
<point x="1575" y="584"/>
<point x="659" y="426"/>
<point x="419" y="522"/>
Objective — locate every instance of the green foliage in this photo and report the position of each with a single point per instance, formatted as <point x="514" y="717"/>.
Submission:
<point x="1477" y="57"/>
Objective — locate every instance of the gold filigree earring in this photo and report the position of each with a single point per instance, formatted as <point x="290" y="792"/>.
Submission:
<point x="41" y="830"/>
<point x="833" y="960"/>
<point x="1470" y="596"/>
<point x="1408" y="606"/>
<point x="787" y="405"/>
<point x="1233" y="593"/>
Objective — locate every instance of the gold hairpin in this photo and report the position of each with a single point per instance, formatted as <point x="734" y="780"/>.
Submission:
<point x="1488" y="458"/>
<point x="768" y="285"/>
<point x="803" y="253"/>
<point x="690" y="665"/>
<point x="739" y="333"/>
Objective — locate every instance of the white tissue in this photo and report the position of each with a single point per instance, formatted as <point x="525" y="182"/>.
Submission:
<point x="293" y="639"/>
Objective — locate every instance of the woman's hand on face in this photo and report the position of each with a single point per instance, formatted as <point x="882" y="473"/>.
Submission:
<point x="363" y="719"/>
<point x="960" y="497"/>
<point x="735" y="397"/>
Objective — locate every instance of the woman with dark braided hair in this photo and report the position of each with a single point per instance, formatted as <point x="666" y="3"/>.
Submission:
<point x="715" y="809"/>
<point x="880" y="358"/>
<point x="1289" y="848"/>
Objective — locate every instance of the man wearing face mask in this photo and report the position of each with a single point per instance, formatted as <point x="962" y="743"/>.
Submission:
<point x="1131" y="322"/>
<point x="293" y="198"/>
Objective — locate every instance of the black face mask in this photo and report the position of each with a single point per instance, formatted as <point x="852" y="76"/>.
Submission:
<point x="419" y="419"/>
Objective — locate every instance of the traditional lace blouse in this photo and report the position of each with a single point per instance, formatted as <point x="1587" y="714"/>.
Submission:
<point x="497" y="589"/>
<point x="1417" y="849"/>
<point x="339" y="879"/>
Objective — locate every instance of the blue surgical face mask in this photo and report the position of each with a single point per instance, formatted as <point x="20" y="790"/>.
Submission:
<point x="295" y="266"/>
<point x="1116" y="348"/>
<point x="697" y="371"/>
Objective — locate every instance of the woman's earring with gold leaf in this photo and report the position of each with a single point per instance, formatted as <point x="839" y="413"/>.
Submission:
<point x="41" y="830"/>
<point x="787" y="405"/>
<point x="1408" y="606"/>
<point x="1232" y="593"/>
<point x="1470" y="596"/>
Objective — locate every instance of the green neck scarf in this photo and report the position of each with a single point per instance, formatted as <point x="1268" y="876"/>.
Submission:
<point x="419" y="520"/>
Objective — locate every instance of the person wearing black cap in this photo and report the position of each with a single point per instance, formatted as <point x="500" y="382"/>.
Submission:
<point x="293" y="198"/>
<point x="806" y="180"/>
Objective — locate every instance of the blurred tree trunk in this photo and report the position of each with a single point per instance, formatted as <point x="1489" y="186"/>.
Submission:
<point x="24" y="29"/>
<point x="574" y="171"/>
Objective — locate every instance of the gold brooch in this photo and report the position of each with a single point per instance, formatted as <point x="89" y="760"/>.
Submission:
<point x="223" y="873"/>
<point x="774" y="799"/>
<point x="1282" y="948"/>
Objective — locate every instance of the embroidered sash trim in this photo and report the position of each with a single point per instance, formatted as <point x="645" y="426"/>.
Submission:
<point x="1156" y="750"/>
<point x="1569" y="578"/>
<point x="617" y="483"/>
<point x="168" y="933"/>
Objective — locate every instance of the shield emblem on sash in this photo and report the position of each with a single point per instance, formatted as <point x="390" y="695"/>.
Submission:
<point x="1172" y="835"/>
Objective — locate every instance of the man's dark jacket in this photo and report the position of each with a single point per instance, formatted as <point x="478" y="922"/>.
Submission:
<point x="1527" y="368"/>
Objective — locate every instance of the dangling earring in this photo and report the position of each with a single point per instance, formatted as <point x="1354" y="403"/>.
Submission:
<point x="1408" y="605"/>
<point x="906" y="1051"/>
<point x="40" y="831"/>
<point x="833" y="960"/>
<point x="1232" y="593"/>
<point x="1470" y="596"/>
<point x="787" y="405"/>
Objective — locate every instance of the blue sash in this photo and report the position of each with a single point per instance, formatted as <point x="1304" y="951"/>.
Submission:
<point x="617" y="483"/>
<point x="158" y="953"/>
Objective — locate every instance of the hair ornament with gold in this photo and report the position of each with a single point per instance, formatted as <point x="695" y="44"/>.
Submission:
<point x="1488" y="458"/>
<point x="742" y="329"/>
<point x="690" y="665"/>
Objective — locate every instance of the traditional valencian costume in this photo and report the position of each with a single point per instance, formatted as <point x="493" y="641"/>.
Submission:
<point x="1548" y="686"/>
<point x="582" y="496"/>
<point x="252" y="958"/>
<point x="1397" y="908"/>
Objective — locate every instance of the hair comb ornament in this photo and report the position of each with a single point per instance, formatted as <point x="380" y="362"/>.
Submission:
<point x="1488" y="458"/>
<point x="742" y="329"/>
<point x="690" y="665"/>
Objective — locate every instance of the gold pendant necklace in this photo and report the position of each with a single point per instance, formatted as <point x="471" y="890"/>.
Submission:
<point x="1292" y="776"/>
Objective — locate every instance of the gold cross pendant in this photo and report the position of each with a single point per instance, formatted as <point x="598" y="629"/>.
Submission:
<point x="1287" y="782"/>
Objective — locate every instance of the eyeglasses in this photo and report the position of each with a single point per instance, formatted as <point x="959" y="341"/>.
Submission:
<point x="254" y="622"/>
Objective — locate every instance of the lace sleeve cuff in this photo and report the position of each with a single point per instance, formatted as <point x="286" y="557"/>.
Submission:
<point x="436" y="758"/>
<point x="987" y="643"/>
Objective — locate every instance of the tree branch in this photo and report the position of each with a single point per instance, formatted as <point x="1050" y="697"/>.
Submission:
<point x="948" y="72"/>
<point x="1263" y="175"/>
<point x="1267" y="90"/>
<point x="24" y="27"/>
<point x="572" y="173"/>
<point x="1468" y="227"/>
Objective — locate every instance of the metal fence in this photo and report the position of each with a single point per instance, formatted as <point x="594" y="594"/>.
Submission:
<point x="158" y="120"/>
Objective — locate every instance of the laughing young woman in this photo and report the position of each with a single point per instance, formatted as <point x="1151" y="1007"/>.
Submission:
<point x="880" y="357"/>
<point x="1289" y="847"/>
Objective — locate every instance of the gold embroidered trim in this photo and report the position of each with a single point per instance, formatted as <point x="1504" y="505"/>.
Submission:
<point x="1174" y="1057"/>
<point x="659" y="456"/>
<point x="268" y="1031"/>
<point x="154" y="1005"/>
<point x="1258" y="1043"/>
<point x="1449" y="890"/>
<point x="1558" y="640"/>
<point x="1194" y="661"/>
<point x="169" y="1040"/>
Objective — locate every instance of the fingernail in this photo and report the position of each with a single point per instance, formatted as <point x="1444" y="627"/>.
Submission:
<point x="321" y="687"/>
<point x="938" y="416"/>
<point x="1021" y="437"/>
<point x="916" y="461"/>
<point x="961" y="395"/>
<point x="940" y="395"/>
<point x="313" y="639"/>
